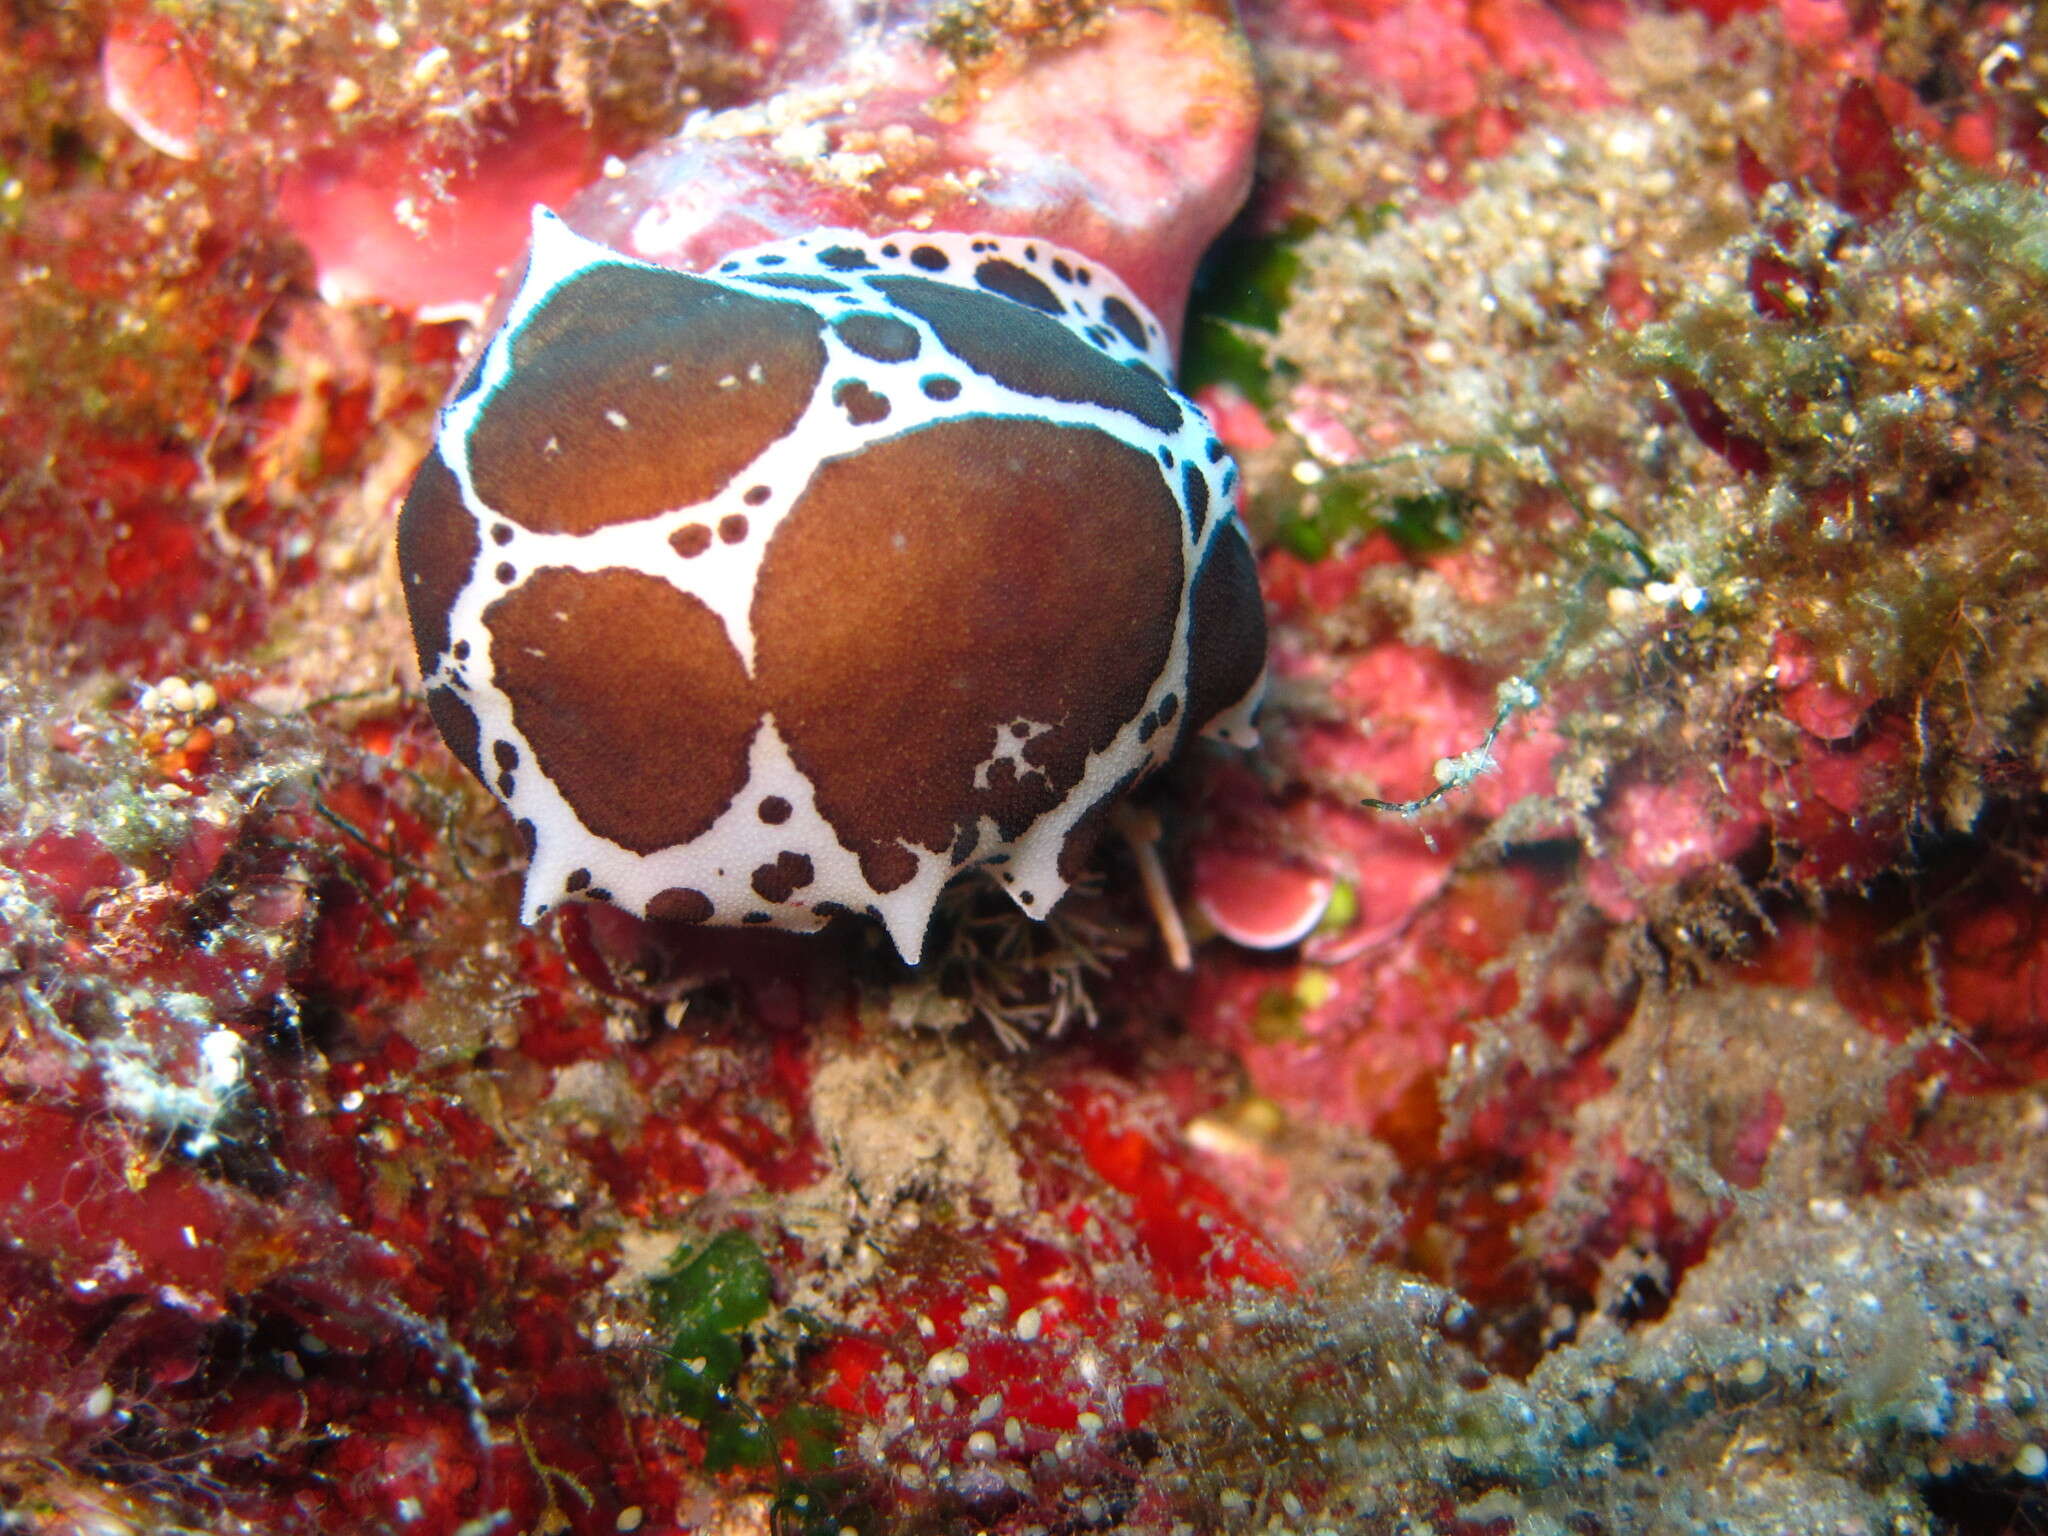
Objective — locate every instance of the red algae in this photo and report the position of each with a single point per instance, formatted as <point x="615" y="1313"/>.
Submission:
<point x="1659" y="385"/>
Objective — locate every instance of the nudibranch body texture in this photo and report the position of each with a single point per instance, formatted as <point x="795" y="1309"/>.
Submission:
<point x="797" y="585"/>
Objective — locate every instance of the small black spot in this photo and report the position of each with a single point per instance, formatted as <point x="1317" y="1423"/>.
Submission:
<point x="756" y="495"/>
<point x="863" y="406"/>
<point x="1031" y="253"/>
<point x="506" y="573"/>
<point x="462" y="650"/>
<point x="728" y="266"/>
<point x="1229" y="479"/>
<point x="831" y="909"/>
<point x="1168" y="708"/>
<point x="599" y="893"/>
<point x="1083" y="276"/>
<point x="769" y="261"/>
<point x="501" y="533"/>
<point x="844" y="258"/>
<point x="1148" y="727"/>
<point x="939" y="387"/>
<point x="1214" y="450"/>
<point x="799" y="282"/>
<point x="505" y="786"/>
<point x="732" y="528"/>
<point x="1020" y="729"/>
<point x="892" y="250"/>
<point x="1062" y="271"/>
<point x="930" y="258"/>
<point x="1026" y="897"/>
<point x="1125" y="319"/>
<point x="1195" y="487"/>
<point x="1013" y="282"/>
<point x="505" y="753"/>
<point x="884" y="338"/>
<point x="775" y="810"/>
<point x="578" y="879"/>
<point x="1166" y="457"/>
<point x="529" y="834"/>
<point x="756" y="919"/>
<point x="1099" y="334"/>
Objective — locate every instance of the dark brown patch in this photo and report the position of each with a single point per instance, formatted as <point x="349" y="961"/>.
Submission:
<point x="457" y="722"/>
<point x="844" y="258"/>
<point x="1126" y="321"/>
<point x="881" y="337"/>
<point x="529" y="837"/>
<point x="634" y="701"/>
<point x="944" y="579"/>
<point x="437" y="550"/>
<point x="507" y="782"/>
<point x="1226" y="630"/>
<point x="592" y="348"/>
<point x="779" y="881"/>
<point x="506" y="573"/>
<point x="732" y="527"/>
<point x="929" y="257"/>
<point x="775" y="810"/>
<point x="504" y="754"/>
<point x="501" y="533"/>
<point x="885" y="868"/>
<point x="756" y="494"/>
<point x="1031" y="352"/>
<point x="1019" y="286"/>
<point x="863" y="406"/>
<point x="680" y="904"/>
<point x="690" y="540"/>
<point x="1195" y="487"/>
<point x="939" y="387"/>
<point x="578" y="879"/>
<point x="1170" y="705"/>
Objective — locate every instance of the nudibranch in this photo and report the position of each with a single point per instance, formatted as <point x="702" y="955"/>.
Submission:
<point x="797" y="584"/>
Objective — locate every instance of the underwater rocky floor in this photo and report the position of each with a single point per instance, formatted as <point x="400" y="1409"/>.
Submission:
<point x="1651" y="1133"/>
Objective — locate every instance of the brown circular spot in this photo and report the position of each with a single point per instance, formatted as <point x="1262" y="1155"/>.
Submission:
<point x="1226" y="629"/>
<point x="634" y="701"/>
<point x="775" y="810"/>
<point x="437" y="550"/>
<point x="887" y="867"/>
<point x="690" y="540"/>
<point x="883" y="338"/>
<point x="735" y="372"/>
<point x="954" y="580"/>
<point x="732" y="527"/>
<point x="680" y="904"/>
<point x="778" y="881"/>
<point x="756" y="494"/>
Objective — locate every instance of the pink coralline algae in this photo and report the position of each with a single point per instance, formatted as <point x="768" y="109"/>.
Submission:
<point x="792" y="586"/>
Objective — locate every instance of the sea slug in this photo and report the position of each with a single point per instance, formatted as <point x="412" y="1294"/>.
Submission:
<point x="819" y="520"/>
